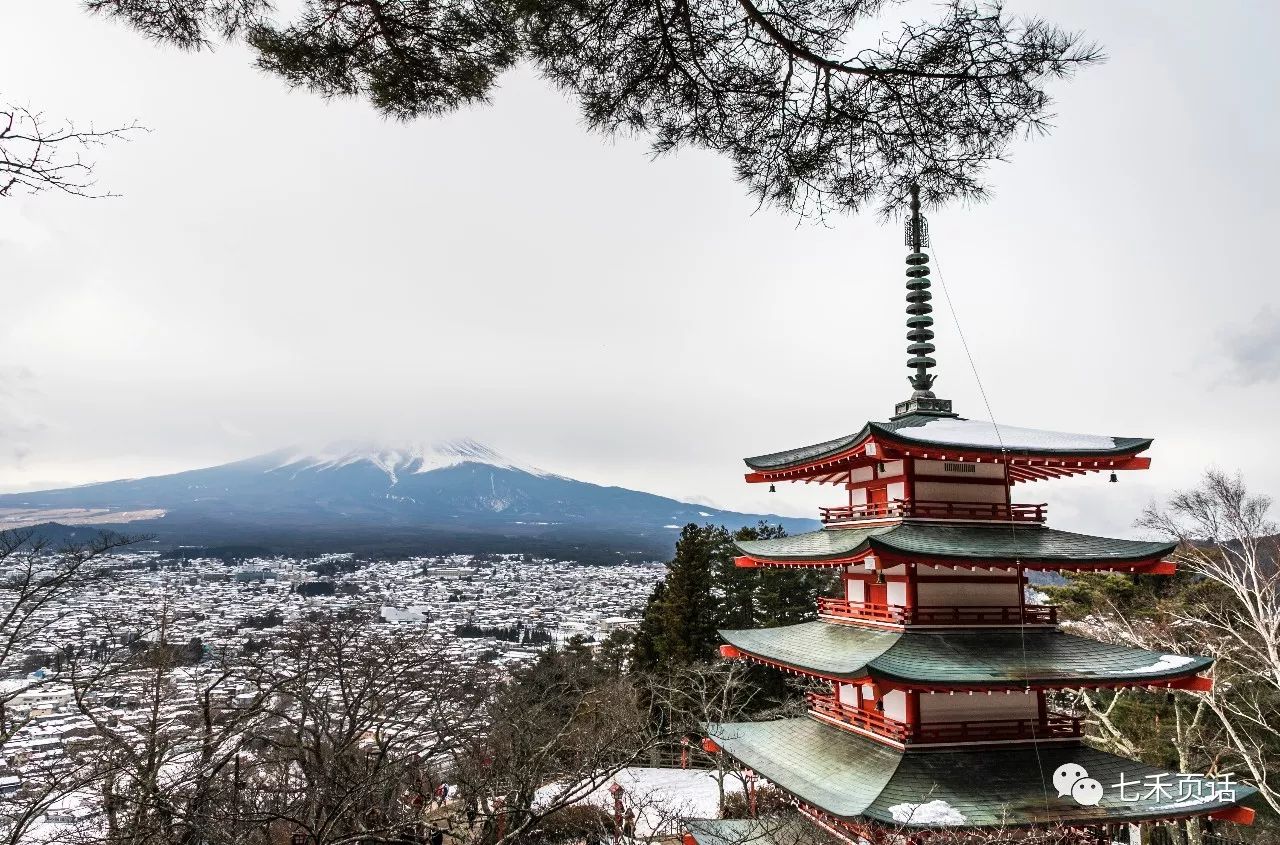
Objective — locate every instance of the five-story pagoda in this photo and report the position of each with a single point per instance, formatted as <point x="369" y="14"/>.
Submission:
<point x="934" y="670"/>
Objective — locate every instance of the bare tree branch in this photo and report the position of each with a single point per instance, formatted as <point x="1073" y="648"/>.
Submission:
<point x="37" y="155"/>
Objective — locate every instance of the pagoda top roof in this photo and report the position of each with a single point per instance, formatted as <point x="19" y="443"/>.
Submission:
<point x="967" y="542"/>
<point x="957" y="433"/>
<point x="853" y="778"/>
<point x="961" y="658"/>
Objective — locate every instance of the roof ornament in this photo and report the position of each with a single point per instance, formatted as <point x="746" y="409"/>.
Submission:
<point x="919" y="323"/>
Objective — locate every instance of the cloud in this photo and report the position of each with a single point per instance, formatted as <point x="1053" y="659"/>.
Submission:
<point x="17" y="421"/>
<point x="1254" y="349"/>
<point x="603" y="316"/>
<point x="14" y="379"/>
<point x="231" y="429"/>
<point x="17" y="229"/>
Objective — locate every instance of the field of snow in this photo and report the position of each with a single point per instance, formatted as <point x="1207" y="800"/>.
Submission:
<point x="660" y="797"/>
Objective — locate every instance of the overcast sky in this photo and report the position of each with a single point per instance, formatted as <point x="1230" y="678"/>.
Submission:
<point x="282" y="269"/>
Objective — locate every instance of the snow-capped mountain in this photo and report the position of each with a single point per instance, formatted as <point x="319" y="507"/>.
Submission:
<point x="399" y="459"/>
<point x="455" y="495"/>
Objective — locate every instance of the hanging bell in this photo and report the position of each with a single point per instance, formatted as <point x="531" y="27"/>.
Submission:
<point x="1114" y="478"/>
<point x="773" y="489"/>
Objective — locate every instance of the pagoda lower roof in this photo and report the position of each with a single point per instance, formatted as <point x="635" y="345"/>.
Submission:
<point x="957" y="434"/>
<point x="931" y="540"/>
<point x="960" y="658"/>
<point x="853" y="778"/>
<point x="767" y="831"/>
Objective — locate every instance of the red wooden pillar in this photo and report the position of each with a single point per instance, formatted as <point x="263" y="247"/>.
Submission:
<point x="1022" y="594"/>
<point x="913" y="591"/>
<point x="1008" y="489"/>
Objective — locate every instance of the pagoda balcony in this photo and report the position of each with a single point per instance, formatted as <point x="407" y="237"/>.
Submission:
<point x="948" y="615"/>
<point x="916" y="509"/>
<point x="1054" y="726"/>
<point x="869" y="721"/>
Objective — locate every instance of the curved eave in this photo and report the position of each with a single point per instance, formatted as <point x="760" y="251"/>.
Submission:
<point x="962" y="660"/>
<point x="1191" y="682"/>
<point x="1152" y="566"/>
<point x="854" y="779"/>
<point x="944" y="544"/>
<point x="1181" y="679"/>
<point x="818" y="452"/>
<point x="845" y="652"/>
<point x="821" y="546"/>
<point x="876" y="441"/>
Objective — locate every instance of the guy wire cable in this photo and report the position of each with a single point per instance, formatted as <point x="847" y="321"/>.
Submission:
<point x="982" y="391"/>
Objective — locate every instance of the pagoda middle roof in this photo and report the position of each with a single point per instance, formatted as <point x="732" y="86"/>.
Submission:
<point x="960" y="658"/>
<point x="934" y="540"/>
<point x="851" y="777"/>
<point x="960" y="434"/>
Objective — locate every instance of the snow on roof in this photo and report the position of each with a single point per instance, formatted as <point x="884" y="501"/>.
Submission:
<point x="1167" y="662"/>
<point x="395" y="614"/>
<point x="931" y="812"/>
<point x="961" y="432"/>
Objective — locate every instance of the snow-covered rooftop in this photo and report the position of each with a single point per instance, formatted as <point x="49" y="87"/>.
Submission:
<point x="961" y="432"/>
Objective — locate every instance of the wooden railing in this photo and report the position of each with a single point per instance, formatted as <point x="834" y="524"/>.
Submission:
<point x="868" y="720"/>
<point x="1053" y="726"/>
<point x="993" y="511"/>
<point x="865" y="611"/>
<point x="1031" y="614"/>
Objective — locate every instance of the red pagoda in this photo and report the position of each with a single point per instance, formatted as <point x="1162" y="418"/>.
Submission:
<point x="935" y="672"/>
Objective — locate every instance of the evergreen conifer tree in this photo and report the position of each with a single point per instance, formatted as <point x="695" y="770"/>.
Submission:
<point x="705" y="591"/>
<point x="689" y="615"/>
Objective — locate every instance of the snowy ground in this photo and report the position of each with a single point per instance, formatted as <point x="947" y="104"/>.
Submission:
<point x="660" y="797"/>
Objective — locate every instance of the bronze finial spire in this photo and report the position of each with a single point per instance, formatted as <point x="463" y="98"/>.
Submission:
<point x="919" y="323"/>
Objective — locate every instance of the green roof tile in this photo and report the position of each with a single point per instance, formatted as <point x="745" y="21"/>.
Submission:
<point x="841" y="650"/>
<point x="1025" y="542"/>
<point x="804" y="454"/>
<point x="852" y="777"/>
<point x="764" y="831"/>
<point x="812" y="762"/>
<point x="978" y="657"/>
<point x="1030" y="543"/>
<point x="814" y="545"/>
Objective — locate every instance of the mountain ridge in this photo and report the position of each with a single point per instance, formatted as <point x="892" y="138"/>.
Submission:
<point x="447" y="496"/>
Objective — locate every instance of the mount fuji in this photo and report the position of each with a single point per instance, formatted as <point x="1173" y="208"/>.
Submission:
<point x="454" y="496"/>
